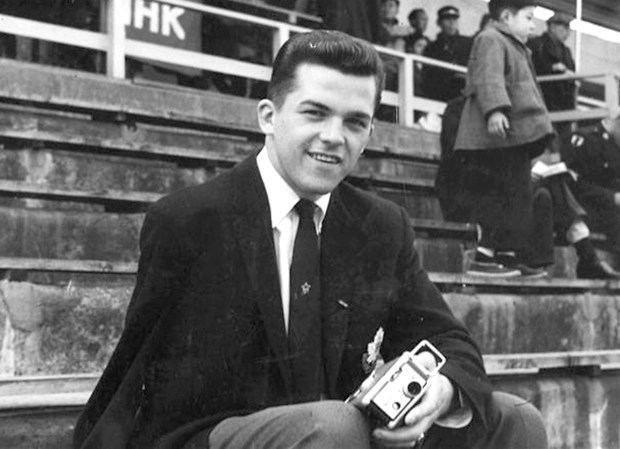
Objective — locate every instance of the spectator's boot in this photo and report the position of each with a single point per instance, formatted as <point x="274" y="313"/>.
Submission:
<point x="589" y="265"/>
<point x="483" y="265"/>
<point x="510" y="260"/>
<point x="596" y="269"/>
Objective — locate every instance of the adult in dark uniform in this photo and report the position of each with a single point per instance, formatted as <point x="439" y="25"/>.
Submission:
<point x="595" y="157"/>
<point x="551" y="57"/>
<point x="450" y="46"/>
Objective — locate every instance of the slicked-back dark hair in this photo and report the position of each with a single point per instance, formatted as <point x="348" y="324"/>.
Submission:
<point x="333" y="49"/>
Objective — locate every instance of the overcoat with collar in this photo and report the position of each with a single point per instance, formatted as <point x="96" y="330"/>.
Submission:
<point x="501" y="77"/>
<point x="204" y="336"/>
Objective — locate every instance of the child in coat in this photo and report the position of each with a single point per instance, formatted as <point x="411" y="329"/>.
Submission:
<point x="503" y="126"/>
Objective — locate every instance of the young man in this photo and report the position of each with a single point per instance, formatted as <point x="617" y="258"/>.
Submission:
<point x="231" y="342"/>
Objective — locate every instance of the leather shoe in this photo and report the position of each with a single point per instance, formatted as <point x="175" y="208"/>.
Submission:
<point x="596" y="269"/>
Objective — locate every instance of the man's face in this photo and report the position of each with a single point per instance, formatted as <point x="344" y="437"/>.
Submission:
<point x="420" y="22"/>
<point x="521" y="23"/>
<point x="316" y="136"/>
<point x="560" y="31"/>
<point x="389" y="9"/>
<point x="449" y="25"/>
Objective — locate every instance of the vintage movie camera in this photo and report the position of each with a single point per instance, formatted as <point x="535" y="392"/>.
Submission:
<point x="391" y="390"/>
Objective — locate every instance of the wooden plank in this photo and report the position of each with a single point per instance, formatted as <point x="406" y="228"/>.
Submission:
<point x="24" y="189"/>
<point x="62" y="88"/>
<point x="66" y="265"/>
<point x="79" y="131"/>
<point x="51" y="400"/>
<point x="63" y="383"/>
<point x="464" y="280"/>
<point x="467" y="230"/>
<point x="96" y="266"/>
<point x="30" y="190"/>
<point x="532" y="363"/>
<point x="29" y="392"/>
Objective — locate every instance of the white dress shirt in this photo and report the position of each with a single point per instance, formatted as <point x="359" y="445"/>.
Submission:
<point x="284" y="220"/>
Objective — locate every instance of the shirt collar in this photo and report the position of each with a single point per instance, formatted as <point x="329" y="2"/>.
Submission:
<point x="282" y="198"/>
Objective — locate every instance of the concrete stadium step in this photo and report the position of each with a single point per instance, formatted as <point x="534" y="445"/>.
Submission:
<point x="94" y="234"/>
<point x="577" y="393"/>
<point x="61" y="89"/>
<point x="62" y="234"/>
<point x="74" y="325"/>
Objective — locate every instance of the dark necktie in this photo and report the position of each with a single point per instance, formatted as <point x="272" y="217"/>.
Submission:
<point x="304" y="334"/>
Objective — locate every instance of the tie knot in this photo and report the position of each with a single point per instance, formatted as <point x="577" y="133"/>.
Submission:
<point x="305" y="209"/>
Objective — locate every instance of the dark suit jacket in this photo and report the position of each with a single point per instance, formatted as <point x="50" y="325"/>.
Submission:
<point x="205" y="338"/>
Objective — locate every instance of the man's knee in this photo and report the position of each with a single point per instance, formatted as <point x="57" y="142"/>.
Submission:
<point x="313" y="425"/>
<point x="516" y="424"/>
<point x="337" y="425"/>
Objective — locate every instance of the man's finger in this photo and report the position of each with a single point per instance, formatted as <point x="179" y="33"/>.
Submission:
<point x="427" y="360"/>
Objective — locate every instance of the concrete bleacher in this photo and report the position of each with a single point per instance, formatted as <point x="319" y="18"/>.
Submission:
<point x="82" y="156"/>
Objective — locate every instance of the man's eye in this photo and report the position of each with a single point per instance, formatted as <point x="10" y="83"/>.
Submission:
<point x="358" y="123"/>
<point x="314" y="113"/>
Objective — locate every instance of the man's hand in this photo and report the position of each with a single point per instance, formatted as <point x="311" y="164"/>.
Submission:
<point x="435" y="403"/>
<point x="559" y="67"/>
<point x="498" y="124"/>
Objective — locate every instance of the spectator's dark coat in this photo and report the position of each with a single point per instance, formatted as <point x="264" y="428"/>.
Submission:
<point x="443" y="84"/>
<point x="501" y="77"/>
<point x="595" y="157"/>
<point x="547" y="51"/>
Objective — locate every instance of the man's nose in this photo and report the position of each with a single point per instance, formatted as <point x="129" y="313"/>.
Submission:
<point x="333" y="131"/>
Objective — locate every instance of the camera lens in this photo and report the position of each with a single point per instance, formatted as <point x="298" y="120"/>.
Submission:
<point x="413" y="388"/>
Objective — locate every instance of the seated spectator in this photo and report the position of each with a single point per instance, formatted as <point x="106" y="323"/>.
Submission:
<point x="418" y="43"/>
<point x="556" y="210"/>
<point x="450" y="46"/>
<point x="394" y="34"/>
<point x="595" y="157"/>
<point x="418" y="21"/>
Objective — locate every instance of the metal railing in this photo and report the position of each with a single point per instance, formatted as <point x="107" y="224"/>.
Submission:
<point x="117" y="47"/>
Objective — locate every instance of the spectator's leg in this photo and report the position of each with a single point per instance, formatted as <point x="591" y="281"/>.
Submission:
<point x="609" y="223"/>
<point x="313" y="425"/>
<point x="541" y="252"/>
<point x="515" y="424"/>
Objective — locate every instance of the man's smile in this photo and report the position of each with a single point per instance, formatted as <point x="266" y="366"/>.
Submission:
<point x="326" y="158"/>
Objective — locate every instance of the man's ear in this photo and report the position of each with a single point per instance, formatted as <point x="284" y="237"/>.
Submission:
<point x="266" y="111"/>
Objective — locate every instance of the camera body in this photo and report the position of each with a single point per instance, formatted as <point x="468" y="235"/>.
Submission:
<point x="391" y="390"/>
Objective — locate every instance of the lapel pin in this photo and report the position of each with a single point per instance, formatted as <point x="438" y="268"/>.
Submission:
<point x="373" y="352"/>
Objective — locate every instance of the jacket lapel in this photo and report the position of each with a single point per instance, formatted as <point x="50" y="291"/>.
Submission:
<point x="252" y="228"/>
<point x="342" y="241"/>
